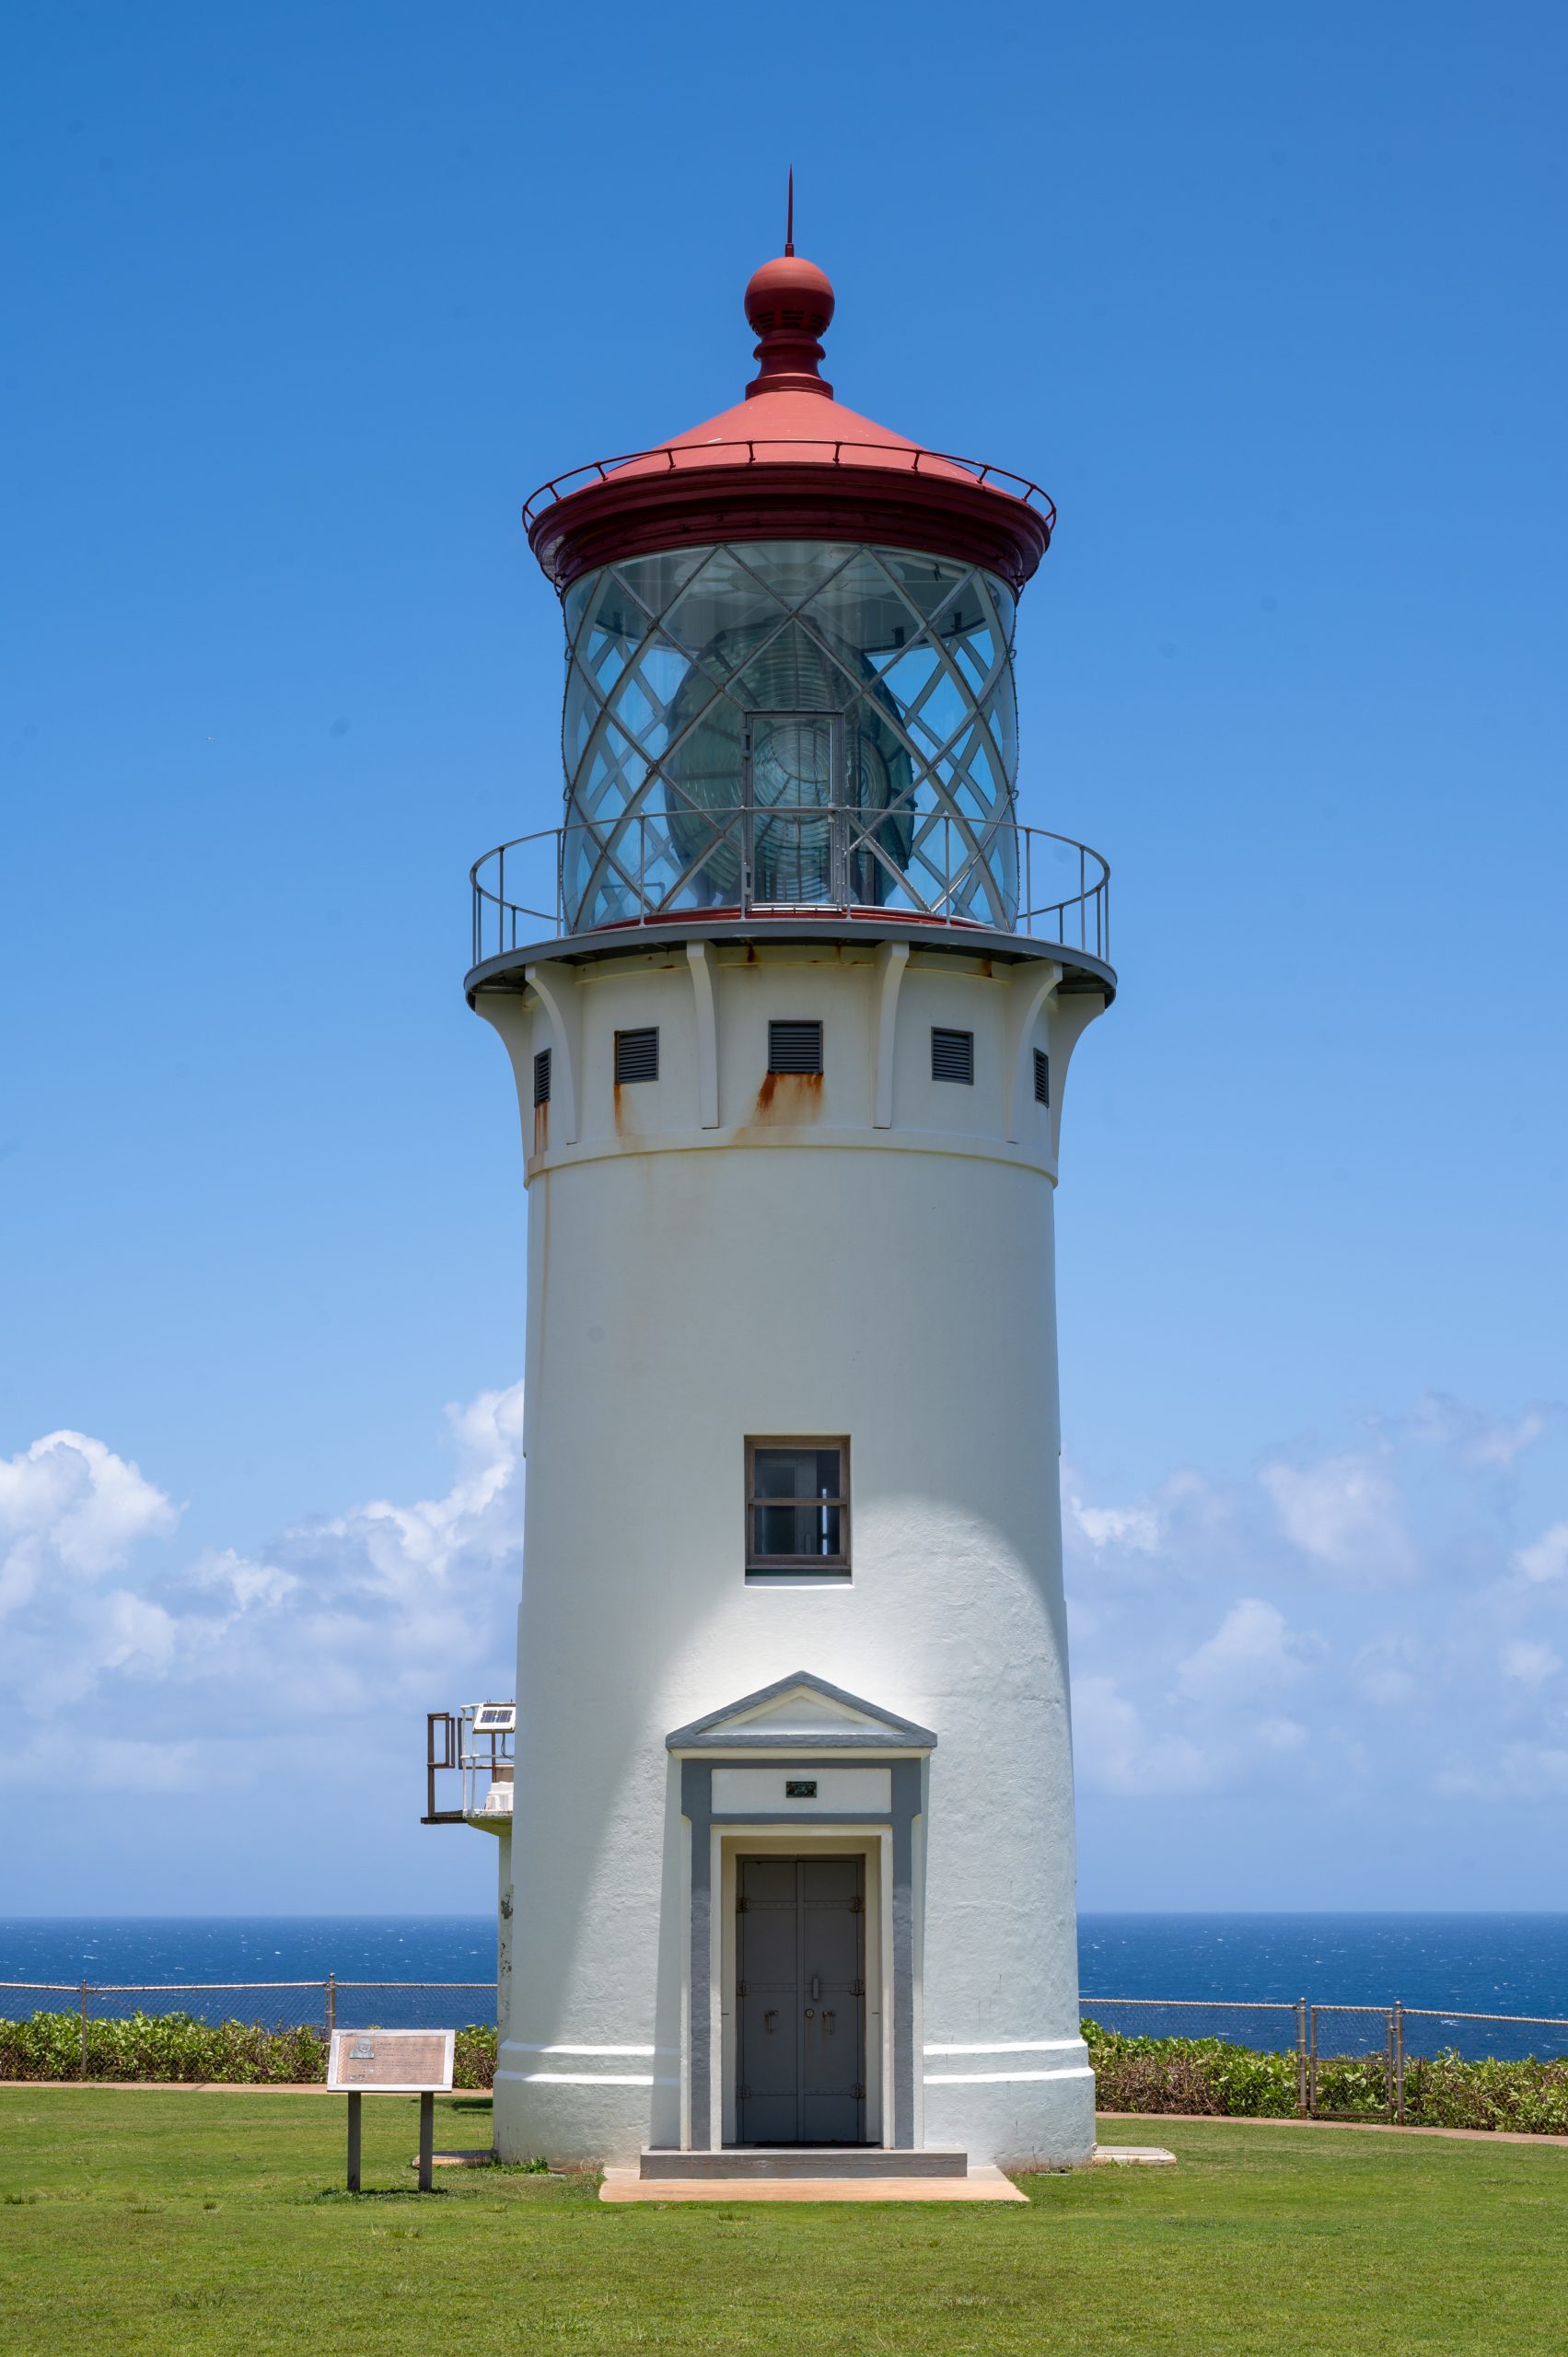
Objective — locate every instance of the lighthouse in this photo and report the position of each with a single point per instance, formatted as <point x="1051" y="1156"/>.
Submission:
<point x="790" y="998"/>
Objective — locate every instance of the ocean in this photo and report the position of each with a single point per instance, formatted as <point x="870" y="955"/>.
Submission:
<point x="1448" y="1963"/>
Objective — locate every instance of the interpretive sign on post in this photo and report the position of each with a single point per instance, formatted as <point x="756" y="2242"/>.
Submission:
<point x="391" y="2062"/>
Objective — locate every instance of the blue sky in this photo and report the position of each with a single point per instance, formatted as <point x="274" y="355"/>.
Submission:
<point x="301" y="302"/>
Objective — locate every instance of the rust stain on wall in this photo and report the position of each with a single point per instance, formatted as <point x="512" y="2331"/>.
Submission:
<point x="788" y="1096"/>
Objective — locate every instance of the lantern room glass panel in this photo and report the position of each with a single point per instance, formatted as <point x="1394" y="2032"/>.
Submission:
<point x="793" y="724"/>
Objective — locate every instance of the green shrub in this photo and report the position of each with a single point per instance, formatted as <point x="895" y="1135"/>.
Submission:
<point x="1196" y="2075"/>
<point x="179" y="2047"/>
<point x="1206" y="2075"/>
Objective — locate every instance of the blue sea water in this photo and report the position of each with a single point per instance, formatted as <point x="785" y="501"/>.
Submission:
<point x="1480" y="1964"/>
<point x="1447" y="1963"/>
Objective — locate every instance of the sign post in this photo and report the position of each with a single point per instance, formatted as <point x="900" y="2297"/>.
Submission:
<point x="391" y="2062"/>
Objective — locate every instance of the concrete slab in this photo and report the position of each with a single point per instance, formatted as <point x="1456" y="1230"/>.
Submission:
<point x="815" y="2161"/>
<point x="981" y="2184"/>
<point x="1136" y="2156"/>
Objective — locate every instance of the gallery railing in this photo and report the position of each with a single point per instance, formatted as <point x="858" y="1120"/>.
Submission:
<point x="898" y="458"/>
<point x="784" y="860"/>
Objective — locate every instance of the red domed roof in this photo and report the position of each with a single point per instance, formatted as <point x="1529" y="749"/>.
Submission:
<point x="789" y="462"/>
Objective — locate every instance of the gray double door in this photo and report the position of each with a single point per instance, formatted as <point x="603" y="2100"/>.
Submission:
<point x="800" y="1969"/>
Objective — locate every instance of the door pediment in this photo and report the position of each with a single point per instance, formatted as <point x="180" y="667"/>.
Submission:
<point x="801" y="1712"/>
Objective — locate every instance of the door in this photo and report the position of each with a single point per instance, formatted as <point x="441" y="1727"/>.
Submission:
<point x="800" y="1967"/>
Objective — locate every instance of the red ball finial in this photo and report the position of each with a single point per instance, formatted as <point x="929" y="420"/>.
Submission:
<point x="789" y="303"/>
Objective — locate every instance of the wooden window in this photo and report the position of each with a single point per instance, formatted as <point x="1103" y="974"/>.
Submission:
<point x="796" y="1506"/>
<point x="795" y="1047"/>
<point x="952" y="1055"/>
<point x="636" y="1055"/>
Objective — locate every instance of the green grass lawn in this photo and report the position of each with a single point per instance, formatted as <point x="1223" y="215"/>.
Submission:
<point x="215" y="2225"/>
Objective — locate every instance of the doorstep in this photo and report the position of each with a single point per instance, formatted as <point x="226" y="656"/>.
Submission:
<point x="980" y="2184"/>
<point x="815" y="2161"/>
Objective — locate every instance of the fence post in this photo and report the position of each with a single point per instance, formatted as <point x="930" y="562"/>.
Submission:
<point x="1312" y="2065"/>
<point x="332" y="2005"/>
<point x="1398" y="2033"/>
<point x="84" y="2067"/>
<point x="1302" y="2100"/>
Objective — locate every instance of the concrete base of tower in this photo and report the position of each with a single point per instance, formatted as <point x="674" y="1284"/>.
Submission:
<point x="578" y="2119"/>
<point x="1019" y="2122"/>
<point x="574" y="2117"/>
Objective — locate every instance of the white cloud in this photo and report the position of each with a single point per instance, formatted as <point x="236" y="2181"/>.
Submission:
<point x="1201" y="1643"/>
<point x="1137" y="1528"/>
<point x="1251" y="1652"/>
<point x="1546" y="1559"/>
<point x="1388" y="1673"/>
<point x="1504" y="1444"/>
<point x="385" y="1609"/>
<point x="1530" y="1661"/>
<point x="1114" y="1754"/>
<point x="1345" y="1513"/>
<point x="1387" y="1685"/>
<point x="1535" y="1770"/>
<point x="71" y="1508"/>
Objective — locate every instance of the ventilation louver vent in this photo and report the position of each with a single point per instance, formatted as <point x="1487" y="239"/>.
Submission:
<point x="542" y="1077"/>
<point x="636" y="1055"/>
<point x="1042" y="1077"/>
<point x="795" y="1047"/>
<point x="952" y="1055"/>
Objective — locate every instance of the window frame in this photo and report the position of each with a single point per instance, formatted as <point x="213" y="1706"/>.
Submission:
<point x="764" y="1567"/>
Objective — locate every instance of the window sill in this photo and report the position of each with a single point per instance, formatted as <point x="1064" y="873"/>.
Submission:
<point x="794" y="1577"/>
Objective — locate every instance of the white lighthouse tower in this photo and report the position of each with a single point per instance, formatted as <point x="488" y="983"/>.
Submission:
<point x="790" y="1862"/>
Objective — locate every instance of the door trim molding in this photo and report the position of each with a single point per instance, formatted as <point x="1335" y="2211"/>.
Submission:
<point x="702" y="2064"/>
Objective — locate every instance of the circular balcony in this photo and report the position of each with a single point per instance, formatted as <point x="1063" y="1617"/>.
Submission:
<point x="818" y="870"/>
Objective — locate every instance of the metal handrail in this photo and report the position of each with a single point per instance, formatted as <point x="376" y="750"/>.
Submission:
<point x="697" y="454"/>
<point x="502" y="923"/>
